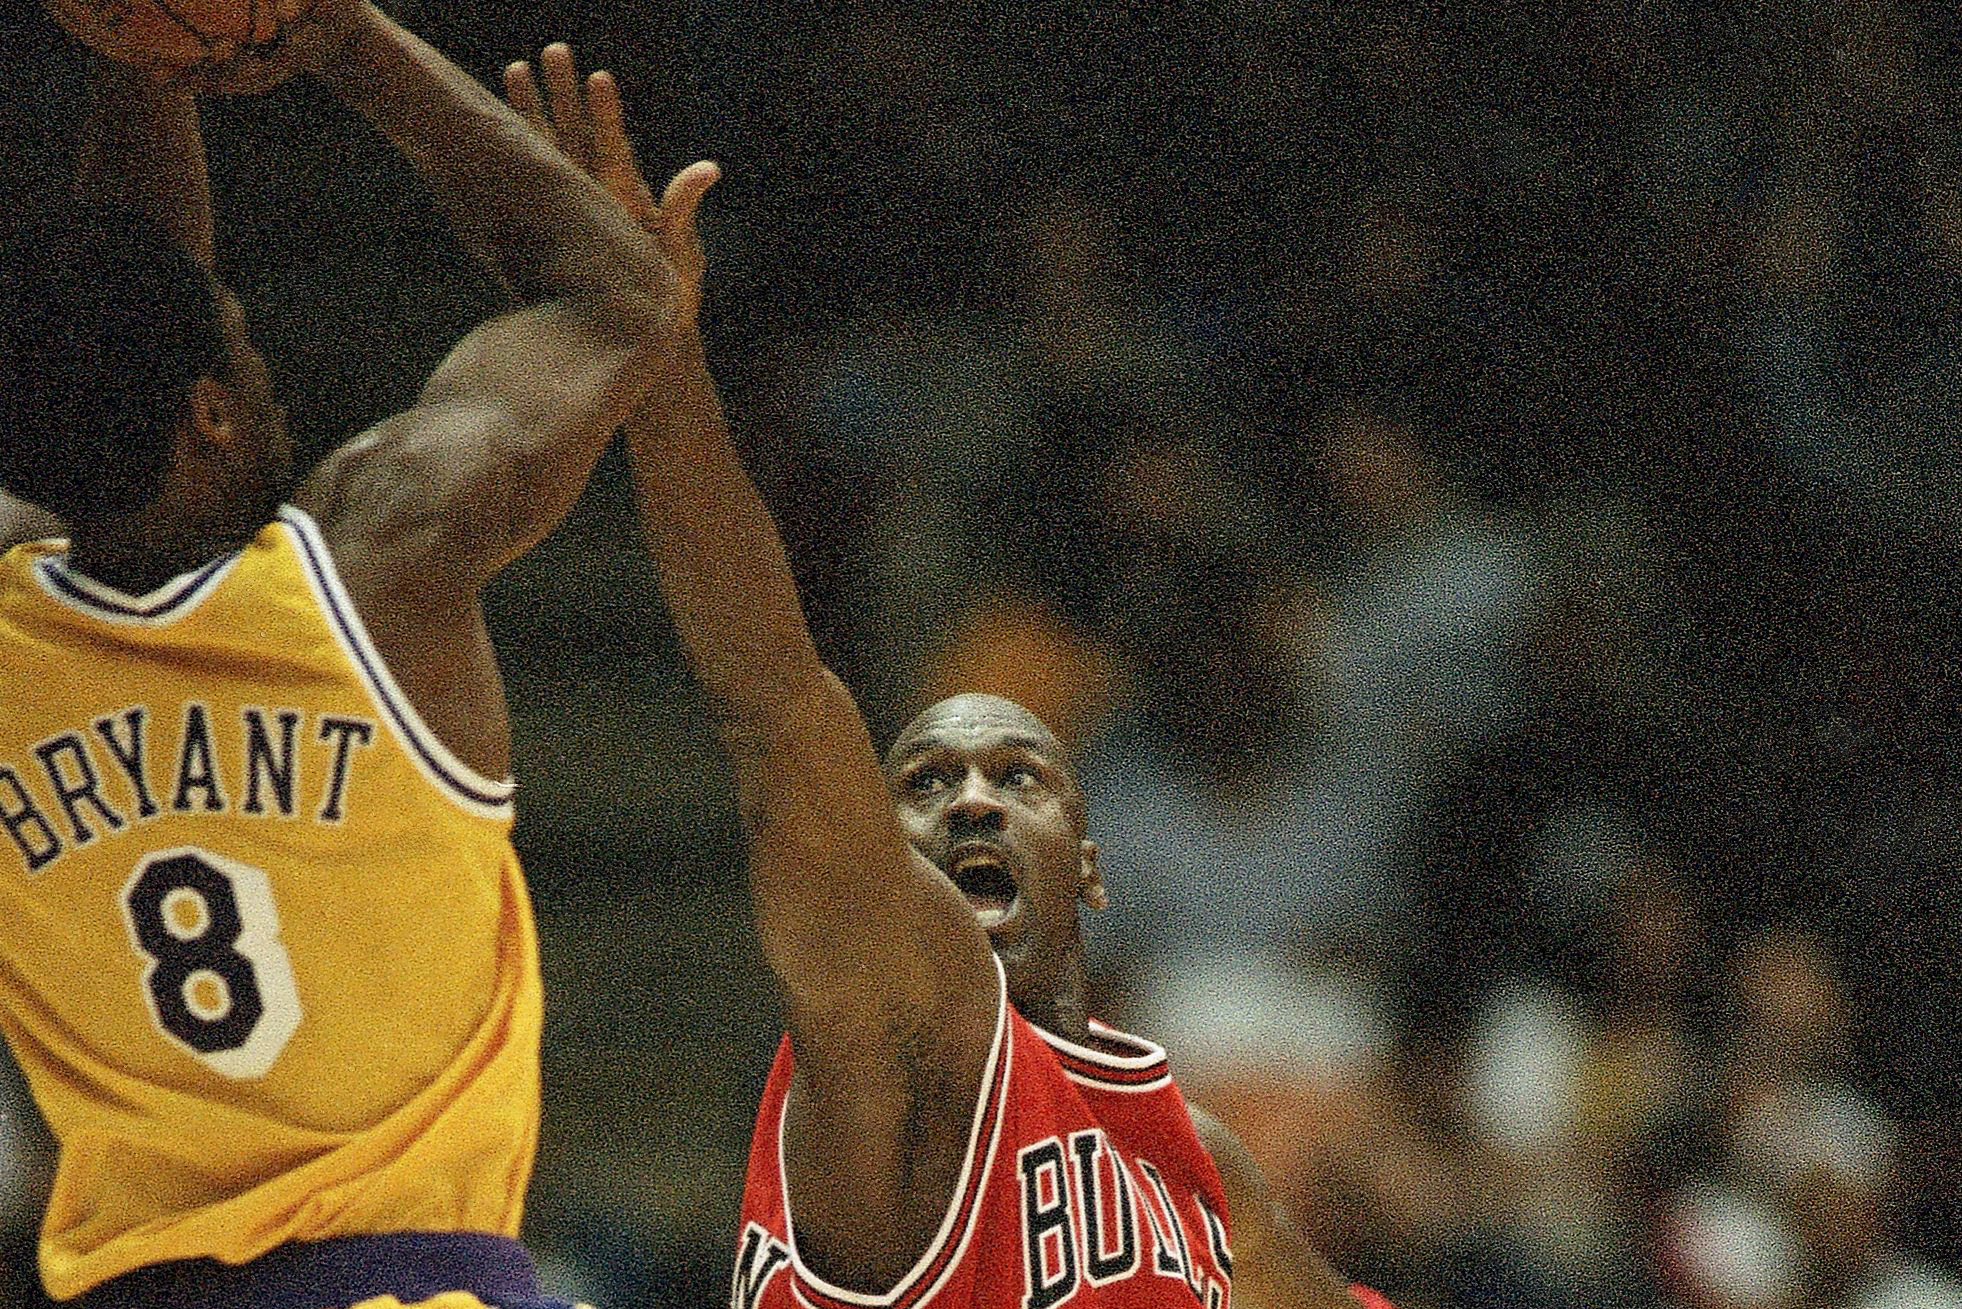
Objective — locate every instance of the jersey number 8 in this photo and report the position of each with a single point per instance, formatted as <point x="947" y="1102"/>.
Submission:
<point x="219" y="984"/>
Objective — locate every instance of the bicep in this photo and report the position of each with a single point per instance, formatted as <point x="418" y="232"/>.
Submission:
<point x="552" y="365"/>
<point x="492" y="456"/>
<point x="867" y="939"/>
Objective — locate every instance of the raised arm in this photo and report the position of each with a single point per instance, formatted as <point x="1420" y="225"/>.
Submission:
<point x="142" y="149"/>
<point x="865" y="936"/>
<point x="422" y="510"/>
<point x="503" y="436"/>
<point x="891" y="995"/>
<point x="842" y="902"/>
<point x="890" y="988"/>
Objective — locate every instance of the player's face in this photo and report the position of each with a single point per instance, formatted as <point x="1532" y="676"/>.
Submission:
<point x="981" y="790"/>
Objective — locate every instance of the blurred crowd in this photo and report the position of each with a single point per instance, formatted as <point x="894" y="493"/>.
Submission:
<point x="1476" y="486"/>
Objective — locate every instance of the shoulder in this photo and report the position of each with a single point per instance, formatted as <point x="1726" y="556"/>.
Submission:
<point x="389" y="470"/>
<point x="399" y="498"/>
<point x="20" y="521"/>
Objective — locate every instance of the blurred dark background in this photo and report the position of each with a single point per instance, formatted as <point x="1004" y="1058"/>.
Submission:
<point x="1477" y="483"/>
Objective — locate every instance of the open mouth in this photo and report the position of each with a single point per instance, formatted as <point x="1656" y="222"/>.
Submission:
<point x="983" y="877"/>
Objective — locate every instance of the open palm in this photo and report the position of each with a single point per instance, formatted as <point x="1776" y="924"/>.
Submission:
<point x="584" y="119"/>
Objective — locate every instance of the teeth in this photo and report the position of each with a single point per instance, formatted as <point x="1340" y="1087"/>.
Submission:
<point x="989" y="917"/>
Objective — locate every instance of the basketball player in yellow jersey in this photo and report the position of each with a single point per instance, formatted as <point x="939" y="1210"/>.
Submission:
<point x="267" y="958"/>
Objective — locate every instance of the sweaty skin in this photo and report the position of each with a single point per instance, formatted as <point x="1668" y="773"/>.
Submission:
<point x="977" y="775"/>
<point x="883" y="961"/>
<point x="417" y="513"/>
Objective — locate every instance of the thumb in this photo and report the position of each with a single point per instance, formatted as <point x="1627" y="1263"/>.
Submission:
<point x="685" y="191"/>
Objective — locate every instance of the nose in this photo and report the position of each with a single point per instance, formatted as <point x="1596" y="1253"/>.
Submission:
<point x="974" y="806"/>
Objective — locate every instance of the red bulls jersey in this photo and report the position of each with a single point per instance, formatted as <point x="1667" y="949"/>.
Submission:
<point x="1084" y="1184"/>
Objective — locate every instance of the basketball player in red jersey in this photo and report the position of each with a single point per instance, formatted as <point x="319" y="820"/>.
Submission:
<point x="945" y="1124"/>
<point x="269" y="965"/>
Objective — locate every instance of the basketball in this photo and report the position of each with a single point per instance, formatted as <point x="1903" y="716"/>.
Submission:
<point x="170" y="35"/>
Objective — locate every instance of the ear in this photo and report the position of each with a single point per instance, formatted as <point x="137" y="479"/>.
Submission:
<point x="1090" y="882"/>
<point x="213" y="415"/>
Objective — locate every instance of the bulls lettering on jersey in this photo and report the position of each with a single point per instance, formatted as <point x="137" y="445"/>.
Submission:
<point x="270" y="970"/>
<point x="1084" y="1184"/>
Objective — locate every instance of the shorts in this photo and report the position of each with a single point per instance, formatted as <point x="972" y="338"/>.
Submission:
<point x="447" y="1300"/>
<point x="401" y="1270"/>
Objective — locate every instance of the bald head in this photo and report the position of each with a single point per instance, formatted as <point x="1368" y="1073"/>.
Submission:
<point x="984" y="792"/>
<point x="973" y="710"/>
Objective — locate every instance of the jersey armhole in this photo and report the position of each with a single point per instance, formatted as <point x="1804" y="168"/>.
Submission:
<point x="468" y="789"/>
<point x="944" y="1253"/>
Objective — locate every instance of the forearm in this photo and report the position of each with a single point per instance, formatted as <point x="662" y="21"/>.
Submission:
<point x="832" y="879"/>
<point x="142" y="148"/>
<point x="718" y="553"/>
<point x="545" y="228"/>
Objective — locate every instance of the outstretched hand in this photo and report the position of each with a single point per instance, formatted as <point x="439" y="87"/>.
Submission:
<point x="584" y="119"/>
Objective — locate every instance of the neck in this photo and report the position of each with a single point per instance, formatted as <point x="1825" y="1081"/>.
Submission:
<point x="140" y="552"/>
<point x="1057" y="1004"/>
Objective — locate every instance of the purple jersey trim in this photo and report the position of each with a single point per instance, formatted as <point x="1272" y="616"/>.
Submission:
<point x="410" y="1266"/>
<point x="107" y="600"/>
<point x="405" y="724"/>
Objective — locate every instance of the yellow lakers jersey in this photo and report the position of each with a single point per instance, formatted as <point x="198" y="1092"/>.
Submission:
<point x="266" y="955"/>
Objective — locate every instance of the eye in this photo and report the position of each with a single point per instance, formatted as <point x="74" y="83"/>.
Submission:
<point x="925" y="781"/>
<point x="1019" y="777"/>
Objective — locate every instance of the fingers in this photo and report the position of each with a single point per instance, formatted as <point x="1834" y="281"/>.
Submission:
<point x="521" y="90"/>
<point x="685" y="191"/>
<point x="588" y="123"/>
<point x="571" y="125"/>
<point x="613" y="154"/>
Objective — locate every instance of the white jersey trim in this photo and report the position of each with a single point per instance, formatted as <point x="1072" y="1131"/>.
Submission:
<point x="465" y="786"/>
<point x="994" y="1084"/>
<point x="1150" y="1055"/>
<point x="160" y="607"/>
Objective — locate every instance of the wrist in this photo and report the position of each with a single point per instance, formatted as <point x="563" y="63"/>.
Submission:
<point x="341" y="51"/>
